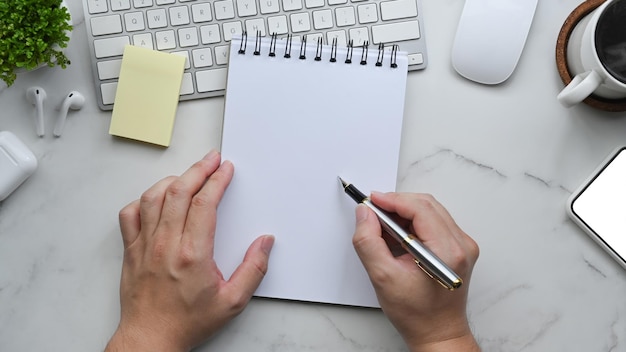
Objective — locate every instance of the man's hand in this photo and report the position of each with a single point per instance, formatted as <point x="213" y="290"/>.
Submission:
<point x="173" y="296"/>
<point x="429" y="317"/>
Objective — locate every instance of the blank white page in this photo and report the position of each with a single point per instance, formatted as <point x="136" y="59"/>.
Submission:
<point x="291" y="126"/>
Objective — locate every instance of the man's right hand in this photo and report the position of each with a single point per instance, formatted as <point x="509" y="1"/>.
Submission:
<point x="429" y="317"/>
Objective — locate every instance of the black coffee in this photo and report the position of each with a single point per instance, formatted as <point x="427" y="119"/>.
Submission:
<point x="611" y="39"/>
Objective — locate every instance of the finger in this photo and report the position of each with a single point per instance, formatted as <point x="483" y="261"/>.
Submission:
<point x="203" y="210"/>
<point x="445" y="216"/>
<point x="422" y="210"/>
<point x="432" y="224"/>
<point x="130" y="224"/>
<point x="151" y="204"/>
<point x="404" y="204"/>
<point x="179" y="193"/>
<point x="370" y="245"/>
<point x="248" y="275"/>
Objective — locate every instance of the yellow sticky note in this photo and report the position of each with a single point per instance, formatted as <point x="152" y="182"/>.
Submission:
<point x="147" y="95"/>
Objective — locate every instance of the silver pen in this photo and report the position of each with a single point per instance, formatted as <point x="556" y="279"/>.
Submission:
<point x="424" y="258"/>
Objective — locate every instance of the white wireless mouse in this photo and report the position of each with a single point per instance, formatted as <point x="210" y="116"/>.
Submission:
<point x="490" y="38"/>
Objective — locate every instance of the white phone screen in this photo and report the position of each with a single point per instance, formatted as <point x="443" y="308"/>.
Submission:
<point x="601" y="205"/>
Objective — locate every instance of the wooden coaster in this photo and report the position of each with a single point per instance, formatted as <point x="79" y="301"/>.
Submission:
<point x="613" y="105"/>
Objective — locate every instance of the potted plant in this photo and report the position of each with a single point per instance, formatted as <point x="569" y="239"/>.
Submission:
<point x="33" y="33"/>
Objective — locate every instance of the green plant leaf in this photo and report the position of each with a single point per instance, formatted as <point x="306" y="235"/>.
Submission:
<point x="32" y="32"/>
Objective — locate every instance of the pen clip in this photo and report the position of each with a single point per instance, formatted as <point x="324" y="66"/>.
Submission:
<point x="432" y="276"/>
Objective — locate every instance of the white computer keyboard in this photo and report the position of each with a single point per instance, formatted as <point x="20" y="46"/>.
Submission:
<point x="201" y="31"/>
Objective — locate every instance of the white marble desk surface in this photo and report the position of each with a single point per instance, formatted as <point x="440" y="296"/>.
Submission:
<point x="502" y="159"/>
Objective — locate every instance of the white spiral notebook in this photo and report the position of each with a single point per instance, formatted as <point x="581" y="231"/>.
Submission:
<point x="291" y="126"/>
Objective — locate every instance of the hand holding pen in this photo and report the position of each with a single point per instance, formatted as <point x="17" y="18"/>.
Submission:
<point x="423" y="312"/>
<point x="432" y="265"/>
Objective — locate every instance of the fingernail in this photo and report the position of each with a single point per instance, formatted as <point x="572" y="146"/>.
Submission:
<point x="361" y="213"/>
<point x="212" y="154"/>
<point x="378" y="194"/>
<point x="267" y="243"/>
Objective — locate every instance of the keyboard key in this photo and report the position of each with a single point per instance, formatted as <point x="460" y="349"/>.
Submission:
<point x="322" y="19"/>
<point x="210" y="34"/>
<point x="165" y="2"/>
<point x="359" y="36"/>
<point x="110" y="46"/>
<point x="337" y="2"/>
<point x="184" y="54"/>
<point x="292" y="5"/>
<point x="393" y="10"/>
<point x="211" y="80"/>
<point x="270" y="6"/>
<point x="109" y="69"/>
<point x="224" y="10"/>
<point x="277" y="24"/>
<point x="367" y="13"/>
<point x="300" y="22"/>
<point x="256" y="25"/>
<point x="314" y="3"/>
<point x="201" y="12"/>
<point x="345" y="16"/>
<point x="142" y="3"/>
<point x="313" y="37"/>
<point x="202" y="58"/>
<point x="246" y="8"/>
<point x="395" y="32"/>
<point x="97" y="6"/>
<point x="221" y="54"/>
<point x="143" y="40"/>
<point x="165" y="40"/>
<point x="179" y="15"/>
<point x="186" y="86"/>
<point x="106" y="25"/>
<point x="157" y="18"/>
<point x="108" y="92"/>
<point x="416" y="59"/>
<point x="119" y="5"/>
<point x="231" y="29"/>
<point x="342" y="42"/>
<point x="188" y="37"/>
<point x="134" y="21"/>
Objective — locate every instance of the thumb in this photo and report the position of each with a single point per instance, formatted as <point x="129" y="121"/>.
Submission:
<point x="368" y="241"/>
<point x="248" y="275"/>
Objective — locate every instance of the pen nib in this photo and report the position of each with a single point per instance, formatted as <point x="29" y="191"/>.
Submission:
<point x="344" y="184"/>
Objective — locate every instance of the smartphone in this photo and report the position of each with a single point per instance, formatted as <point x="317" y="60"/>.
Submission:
<point x="599" y="205"/>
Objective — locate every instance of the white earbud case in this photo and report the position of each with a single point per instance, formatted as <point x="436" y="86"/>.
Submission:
<point x="17" y="163"/>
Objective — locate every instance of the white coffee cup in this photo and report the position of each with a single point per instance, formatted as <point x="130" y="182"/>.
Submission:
<point x="596" y="55"/>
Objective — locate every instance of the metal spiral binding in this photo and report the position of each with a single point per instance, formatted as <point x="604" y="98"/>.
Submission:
<point x="394" y="53"/>
<point x="288" y="46"/>
<point x="364" y="52"/>
<point x="319" y="49"/>
<point x="244" y="42"/>
<point x="257" y="43"/>
<point x="381" y="54"/>
<point x="349" y="52"/>
<point x="273" y="45"/>
<point x="303" y="48"/>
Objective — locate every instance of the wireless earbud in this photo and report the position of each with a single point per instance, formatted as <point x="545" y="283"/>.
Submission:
<point x="36" y="96"/>
<point x="74" y="101"/>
